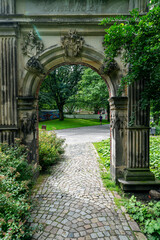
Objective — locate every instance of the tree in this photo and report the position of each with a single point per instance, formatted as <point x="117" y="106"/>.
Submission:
<point x="93" y="92"/>
<point x="139" y="38"/>
<point x="60" y="85"/>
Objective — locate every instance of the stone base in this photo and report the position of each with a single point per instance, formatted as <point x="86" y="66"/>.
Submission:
<point x="138" y="174"/>
<point x="138" y="185"/>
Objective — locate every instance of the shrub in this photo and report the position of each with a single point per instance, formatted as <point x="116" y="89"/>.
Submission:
<point x="148" y="215"/>
<point x="50" y="149"/>
<point x="15" y="175"/>
<point x="155" y="156"/>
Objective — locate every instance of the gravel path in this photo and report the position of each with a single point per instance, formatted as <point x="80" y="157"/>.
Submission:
<point x="85" y="134"/>
<point x="73" y="204"/>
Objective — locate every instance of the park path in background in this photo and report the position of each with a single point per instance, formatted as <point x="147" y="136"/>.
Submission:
<point x="85" y="134"/>
<point x="73" y="204"/>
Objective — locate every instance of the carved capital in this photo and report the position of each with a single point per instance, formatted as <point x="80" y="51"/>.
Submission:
<point x="32" y="44"/>
<point x="72" y="44"/>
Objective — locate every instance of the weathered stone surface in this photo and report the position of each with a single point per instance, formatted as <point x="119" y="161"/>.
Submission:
<point x="140" y="236"/>
<point x="134" y="226"/>
<point x="154" y="194"/>
<point x="76" y="6"/>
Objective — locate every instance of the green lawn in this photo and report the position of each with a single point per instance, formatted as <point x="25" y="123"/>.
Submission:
<point x="70" y="123"/>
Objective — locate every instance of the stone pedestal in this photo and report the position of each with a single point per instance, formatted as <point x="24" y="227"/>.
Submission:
<point x="118" y="107"/>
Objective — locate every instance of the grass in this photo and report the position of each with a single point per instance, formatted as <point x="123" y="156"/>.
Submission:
<point x="103" y="149"/>
<point x="70" y="123"/>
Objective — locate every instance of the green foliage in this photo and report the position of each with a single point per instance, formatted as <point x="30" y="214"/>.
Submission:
<point x="15" y="180"/>
<point x="155" y="156"/>
<point x="103" y="149"/>
<point x="50" y="149"/>
<point x="59" y="86"/>
<point x="93" y="92"/>
<point x="139" y="37"/>
<point x="148" y="215"/>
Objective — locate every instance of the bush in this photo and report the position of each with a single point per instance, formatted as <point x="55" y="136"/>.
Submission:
<point x="155" y="156"/>
<point x="50" y="149"/>
<point x="15" y="175"/>
<point x="148" y="215"/>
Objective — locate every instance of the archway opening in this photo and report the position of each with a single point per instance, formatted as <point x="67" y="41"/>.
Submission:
<point x="78" y="97"/>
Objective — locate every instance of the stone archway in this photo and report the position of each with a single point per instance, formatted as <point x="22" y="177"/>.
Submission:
<point x="38" y="36"/>
<point x="54" y="57"/>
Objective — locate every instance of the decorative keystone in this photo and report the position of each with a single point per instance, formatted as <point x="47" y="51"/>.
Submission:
<point x="72" y="44"/>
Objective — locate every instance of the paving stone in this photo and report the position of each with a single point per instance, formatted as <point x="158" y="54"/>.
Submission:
<point x="134" y="226"/>
<point x="73" y="204"/>
<point x="123" y="238"/>
<point x="140" y="236"/>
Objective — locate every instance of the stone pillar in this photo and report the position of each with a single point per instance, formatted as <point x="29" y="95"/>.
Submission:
<point x="140" y="4"/>
<point x="137" y="176"/>
<point x="28" y="124"/>
<point x="8" y="82"/>
<point x="118" y="107"/>
<point x="7" y="7"/>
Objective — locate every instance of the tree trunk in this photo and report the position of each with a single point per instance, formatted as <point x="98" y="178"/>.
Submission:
<point x="61" y="114"/>
<point x="96" y="109"/>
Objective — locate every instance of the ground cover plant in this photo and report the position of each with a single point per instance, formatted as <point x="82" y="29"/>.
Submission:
<point x="103" y="149"/>
<point x="147" y="214"/>
<point x="155" y="155"/>
<point x="70" y="123"/>
<point x="50" y="149"/>
<point x="15" y="182"/>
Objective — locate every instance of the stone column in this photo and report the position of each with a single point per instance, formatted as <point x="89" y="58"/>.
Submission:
<point x="137" y="176"/>
<point x="8" y="82"/>
<point x="140" y="4"/>
<point x="138" y="136"/>
<point x="118" y="107"/>
<point x="7" y="6"/>
<point x="28" y="124"/>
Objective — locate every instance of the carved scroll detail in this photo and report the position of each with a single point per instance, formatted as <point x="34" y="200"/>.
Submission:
<point x="72" y="44"/>
<point x="33" y="65"/>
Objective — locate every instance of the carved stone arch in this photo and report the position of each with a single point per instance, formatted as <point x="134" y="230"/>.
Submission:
<point x="54" y="57"/>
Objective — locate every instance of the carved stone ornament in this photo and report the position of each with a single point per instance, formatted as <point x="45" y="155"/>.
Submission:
<point x="28" y="124"/>
<point x="72" y="44"/>
<point x="32" y="44"/>
<point x="108" y="69"/>
<point x="33" y="65"/>
<point x="118" y="123"/>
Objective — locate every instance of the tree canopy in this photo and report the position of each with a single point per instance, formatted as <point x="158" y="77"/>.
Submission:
<point x="60" y="85"/>
<point x="73" y="87"/>
<point x="93" y="92"/>
<point x="138" y="39"/>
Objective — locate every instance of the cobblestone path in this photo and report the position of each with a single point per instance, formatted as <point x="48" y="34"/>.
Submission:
<point x="73" y="204"/>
